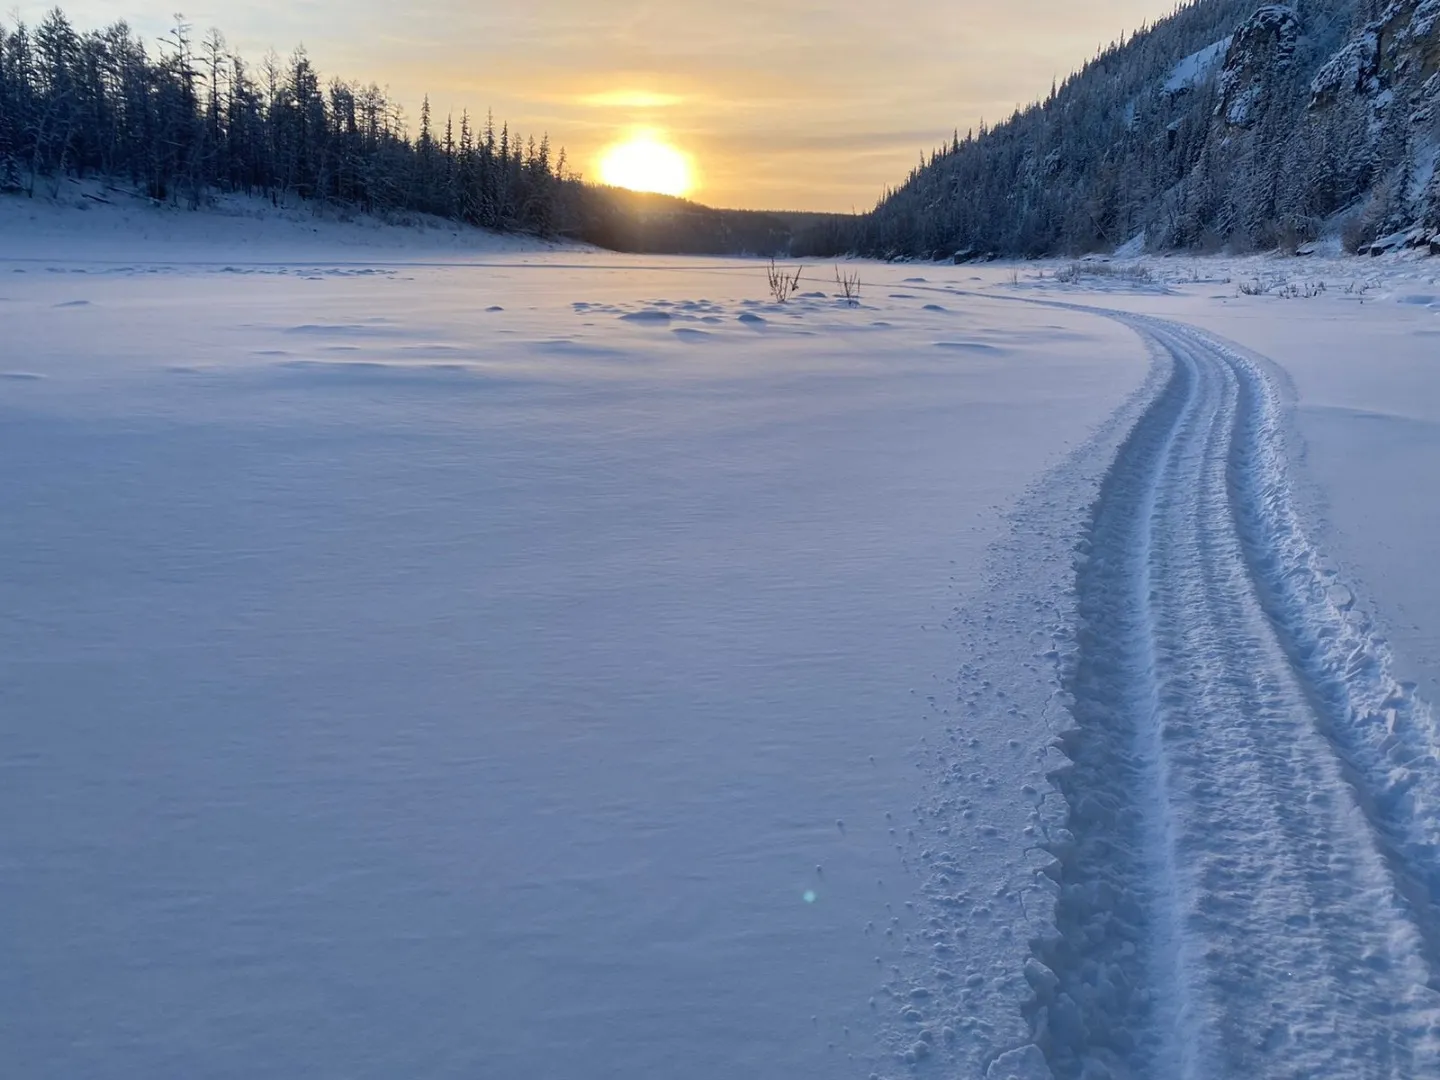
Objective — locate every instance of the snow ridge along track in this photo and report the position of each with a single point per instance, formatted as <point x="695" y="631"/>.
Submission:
<point x="1250" y="867"/>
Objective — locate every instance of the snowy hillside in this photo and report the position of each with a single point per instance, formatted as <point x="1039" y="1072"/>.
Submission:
<point x="1226" y="125"/>
<point x="1197" y="68"/>
<point x="118" y="223"/>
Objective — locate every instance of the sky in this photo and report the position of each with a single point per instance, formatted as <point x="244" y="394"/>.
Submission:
<point x="779" y="104"/>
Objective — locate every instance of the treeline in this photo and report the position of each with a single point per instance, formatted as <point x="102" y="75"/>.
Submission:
<point x="183" y="120"/>
<point x="1226" y="125"/>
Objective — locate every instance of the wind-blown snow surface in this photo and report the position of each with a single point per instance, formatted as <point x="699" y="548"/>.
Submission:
<point x="510" y="668"/>
<point x="565" y="666"/>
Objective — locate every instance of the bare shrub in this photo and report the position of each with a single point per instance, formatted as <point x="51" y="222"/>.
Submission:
<point x="1283" y="288"/>
<point x="849" y="285"/>
<point x="1076" y="272"/>
<point x="783" y="285"/>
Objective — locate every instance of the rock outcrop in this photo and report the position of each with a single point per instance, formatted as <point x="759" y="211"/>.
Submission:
<point x="1386" y="82"/>
<point x="1261" y="50"/>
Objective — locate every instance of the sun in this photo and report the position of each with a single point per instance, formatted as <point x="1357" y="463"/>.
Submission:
<point x="645" y="162"/>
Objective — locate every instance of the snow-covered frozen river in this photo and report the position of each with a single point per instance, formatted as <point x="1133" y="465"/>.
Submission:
<point x="397" y="686"/>
<point x="568" y="667"/>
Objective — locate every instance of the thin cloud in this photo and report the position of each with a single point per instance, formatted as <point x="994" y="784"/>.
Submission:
<point x="630" y="99"/>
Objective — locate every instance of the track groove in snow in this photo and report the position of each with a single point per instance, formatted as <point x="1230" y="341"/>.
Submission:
<point x="1249" y="867"/>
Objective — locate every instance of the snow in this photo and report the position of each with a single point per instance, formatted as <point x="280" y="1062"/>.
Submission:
<point x="405" y="686"/>
<point x="433" y="654"/>
<point x="1360" y="357"/>
<point x="119" y="225"/>
<point x="1132" y="248"/>
<point x="1427" y="157"/>
<point x="1197" y="67"/>
<point x="1350" y="70"/>
<point x="1248" y="693"/>
<point x="1423" y="22"/>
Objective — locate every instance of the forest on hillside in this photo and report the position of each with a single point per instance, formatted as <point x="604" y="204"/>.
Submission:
<point x="187" y="117"/>
<point x="1225" y="125"/>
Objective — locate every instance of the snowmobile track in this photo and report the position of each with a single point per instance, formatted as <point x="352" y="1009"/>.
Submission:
<point x="1250" y="869"/>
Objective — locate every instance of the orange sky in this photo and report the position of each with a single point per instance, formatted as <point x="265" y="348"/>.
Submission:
<point x="801" y="104"/>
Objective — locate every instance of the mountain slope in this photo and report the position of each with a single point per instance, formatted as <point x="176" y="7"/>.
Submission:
<point x="1223" y="125"/>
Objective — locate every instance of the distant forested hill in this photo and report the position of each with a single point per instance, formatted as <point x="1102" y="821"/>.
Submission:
<point x="1226" y="124"/>
<point x="662" y="224"/>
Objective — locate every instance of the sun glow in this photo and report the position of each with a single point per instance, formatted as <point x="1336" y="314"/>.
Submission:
<point x="645" y="162"/>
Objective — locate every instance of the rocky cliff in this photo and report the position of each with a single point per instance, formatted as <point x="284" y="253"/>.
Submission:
<point x="1226" y="125"/>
